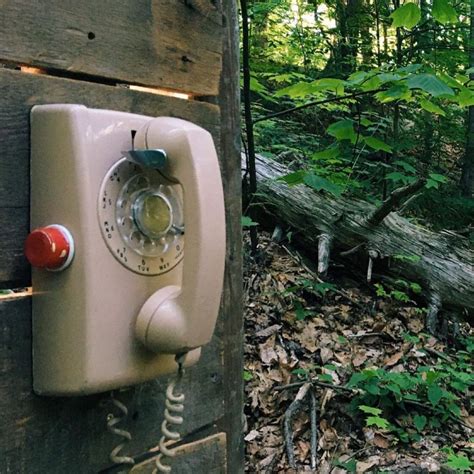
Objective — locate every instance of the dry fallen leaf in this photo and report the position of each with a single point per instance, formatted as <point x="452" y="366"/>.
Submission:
<point x="393" y="359"/>
<point x="252" y="435"/>
<point x="267" y="351"/>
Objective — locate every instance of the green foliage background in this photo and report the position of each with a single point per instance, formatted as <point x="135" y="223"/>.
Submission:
<point x="395" y="81"/>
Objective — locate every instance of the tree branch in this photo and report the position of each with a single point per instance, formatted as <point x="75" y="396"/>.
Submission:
<point x="394" y="200"/>
<point x="316" y="102"/>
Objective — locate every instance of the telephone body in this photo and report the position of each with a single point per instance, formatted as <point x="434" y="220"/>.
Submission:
<point x="118" y="294"/>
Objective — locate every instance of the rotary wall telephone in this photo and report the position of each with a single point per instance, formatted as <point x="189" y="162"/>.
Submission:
<point x="127" y="247"/>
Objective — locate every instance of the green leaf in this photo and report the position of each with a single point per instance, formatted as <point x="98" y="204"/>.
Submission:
<point x="356" y="379"/>
<point x="396" y="176"/>
<point x="247" y="375"/>
<point x="300" y="89"/>
<point x="408" y="15"/>
<point x="370" y="410"/>
<point x="431" y="184"/>
<point x="357" y="77"/>
<point x="459" y="462"/>
<point x="377" y="421"/>
<point x="256" y="86"/>
<point x="406" y="166"/>
<point x="438" y="177"/>
<point x="342" y="130"/>
<point x="396" y="92"/>
<point x="328" y="153"/>
<point x="465" y="97"/>
<point x="388" y="77"/>
<point x="246" y="221"/>
<point x="410" y="69"/>
<point x="329" y="84"/>
<point x="420" y="422"/>
<point x="430" y="107"/>
<point x="366" y="122"/>
<point x="435" y="394"/>
<point x="429" y="83"/>
<point x="322" y="184"/>
<point x="373" y="388"/>
<point x="443" y="12"/>
<point x="326" y="378"/>
<point x="292" y="179"/>
<point x="377" y="144"/>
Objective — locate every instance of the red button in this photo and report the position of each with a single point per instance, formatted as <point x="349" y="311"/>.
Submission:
<point x="47" y="247"/>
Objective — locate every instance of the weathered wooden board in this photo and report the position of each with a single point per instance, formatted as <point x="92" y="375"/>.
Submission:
<point x="166" y="43"/>
<point x="58" y="435"/>
<point x="18" y="93"/>
<point x="232" y="423"/>
<point x="206" y="455"/>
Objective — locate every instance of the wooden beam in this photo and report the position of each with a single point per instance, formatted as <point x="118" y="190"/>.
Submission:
<point x="163" y="43"/>
<point x="206" y="455"/>
<point x="232" y="302"/>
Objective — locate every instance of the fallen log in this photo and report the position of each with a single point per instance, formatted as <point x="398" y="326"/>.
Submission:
<point x="443" y="263"/>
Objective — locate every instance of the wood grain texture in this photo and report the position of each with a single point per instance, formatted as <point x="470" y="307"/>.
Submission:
<point x="58" y="435"/>
<point x="232" y="423"/>
<point x="165" y="43"/>
<point x="14" y="225"/>
<point x="206" y="455"/>
<point x="18" y="93"/>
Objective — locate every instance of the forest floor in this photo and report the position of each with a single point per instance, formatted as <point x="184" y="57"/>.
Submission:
<point x="297" y="330"/>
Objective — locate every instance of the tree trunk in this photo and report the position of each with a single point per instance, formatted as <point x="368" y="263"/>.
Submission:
<point x="467" y="177"/>
<point x="441" y="262"/>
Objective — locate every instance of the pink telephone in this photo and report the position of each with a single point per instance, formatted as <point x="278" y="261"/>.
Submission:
<point x="114" y="199"/>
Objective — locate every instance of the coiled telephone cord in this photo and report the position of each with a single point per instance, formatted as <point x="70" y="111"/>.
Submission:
<point x="174" y="406"/>
<point x="113" y="420"/>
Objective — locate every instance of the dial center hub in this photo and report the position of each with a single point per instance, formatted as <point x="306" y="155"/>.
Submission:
<point x="153" y="214"/>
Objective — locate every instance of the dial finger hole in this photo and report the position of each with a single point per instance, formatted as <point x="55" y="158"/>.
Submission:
<point x="136" y="237"/>
<point x="142" y="182"/>
<point x="127" y="223"/>
<point x="148" y="245"/>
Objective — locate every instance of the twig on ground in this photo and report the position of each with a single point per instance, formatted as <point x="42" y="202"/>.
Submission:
<point x="437" y="354"/>
<point x="314" y="428"/>
<point x="288" y="430"/>
<point x="315" y="383"/>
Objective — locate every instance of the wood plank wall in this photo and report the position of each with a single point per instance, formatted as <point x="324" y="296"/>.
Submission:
<point x="89" y="52"/>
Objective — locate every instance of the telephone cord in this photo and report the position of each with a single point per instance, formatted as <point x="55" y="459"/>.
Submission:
<point x="174" y="407"/>
<point x="113" y="420"/>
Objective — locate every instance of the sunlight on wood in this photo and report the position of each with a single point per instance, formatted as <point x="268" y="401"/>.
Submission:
<point x="153" y="90"/>
<point x="11" y="294"/>
<point x="32" y="70"/>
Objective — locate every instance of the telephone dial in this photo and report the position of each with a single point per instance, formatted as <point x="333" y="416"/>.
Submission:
<point x="127" y="246"/>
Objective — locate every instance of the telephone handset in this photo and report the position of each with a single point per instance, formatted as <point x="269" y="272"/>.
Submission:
<point x="177" y="319"/>
<point x="139" y="202"/>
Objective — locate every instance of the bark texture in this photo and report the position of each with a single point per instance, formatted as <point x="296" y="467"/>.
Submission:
<point x="441" y="262"/>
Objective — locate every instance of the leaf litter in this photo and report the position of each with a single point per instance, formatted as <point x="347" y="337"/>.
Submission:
<point x="292" y="334"/>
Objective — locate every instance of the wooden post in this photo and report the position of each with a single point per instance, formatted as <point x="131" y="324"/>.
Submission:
<point x="90" y="53"/>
